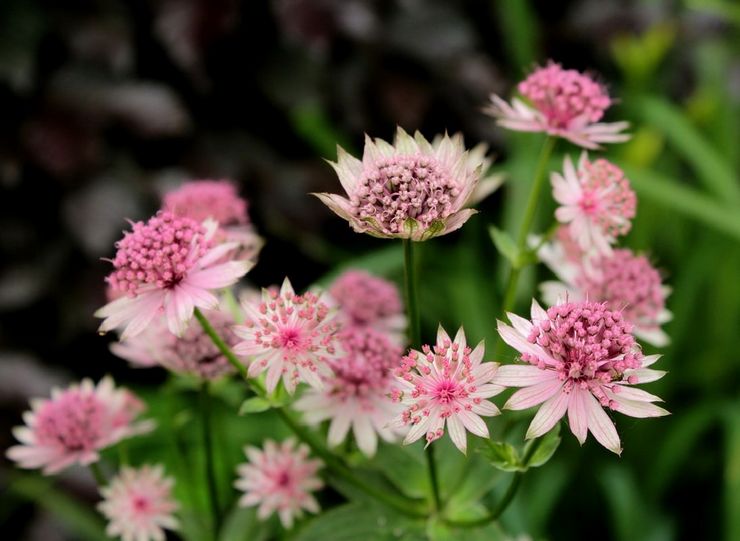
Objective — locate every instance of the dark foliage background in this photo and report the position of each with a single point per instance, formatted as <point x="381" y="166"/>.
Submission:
<point x="106" y="103"/>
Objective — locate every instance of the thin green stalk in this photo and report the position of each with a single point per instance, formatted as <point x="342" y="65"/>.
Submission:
<point x="205" y="409"/>
<point x="333" y="463"/>
<point x="98" y="474"/>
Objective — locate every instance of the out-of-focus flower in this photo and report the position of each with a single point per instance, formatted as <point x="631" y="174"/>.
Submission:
<point x="167" y="265"/>
<point x="582" y="359"/>
<point x="412" y="189"/>
<point x="625" y="281"/>
<point x="367" y="300"/>
<point x="596" y="202"/>
<point x="357" y="396"/>
<point x="204" y="200"/>
<point x="290" y="336"/>
<point x="192" y="353"/>
<point x="564" y="103"/>
<point x="447" y="383"/>
<point x="279" y="479"/>
<point x="138" y="504"/>
<point x="75" y="424"/>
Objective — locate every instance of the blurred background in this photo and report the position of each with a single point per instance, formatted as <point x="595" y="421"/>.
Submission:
<point x="104" y="104"/>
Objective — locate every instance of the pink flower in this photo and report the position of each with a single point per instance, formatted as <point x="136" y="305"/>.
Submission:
<point x="138" y="504"/>
<point x="596" y="201"/>
<point x="288" y="335"/>
<point x="168" y="266"/>
<point x="446" y="383"/>
<point x="357" y="396"/>
<point x="582" y="359"/>
<point x="192" y="353"/>
<point x="279" y="478"/>
<point x="564" y="103"/>
<point x="412" y="189"/>
<point x="218" y="200"/>
<point x="625" y="281"/>
<point x="75" y="424"/>
<point x="368" y="300"/>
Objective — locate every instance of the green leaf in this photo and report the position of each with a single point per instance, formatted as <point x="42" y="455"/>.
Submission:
<point x="505" y="245"/>
<point x="546" y="448"/>
<point x="242" y="524"/>
<point x="502" y="456"/>
<point x="354" y="521"/>
<point x="254" y="405"/>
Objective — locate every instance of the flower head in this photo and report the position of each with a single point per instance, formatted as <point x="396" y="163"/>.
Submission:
<point x="367" y="300"/>
<point x="167" y="265"/>
<point x="564" y="103"/>
<point x="582" y="359"/>
<point x="596" y="201"/>
<point x="138" y="504"/>
<point x="75" y="424"/>
<point x="279" y="478"/>
<point x="357" y="395"/>
<point x="412" y="189"/>
<point x="625" y="281"/>
<point x="291" y="336"/>
<point x="449" y="384"/>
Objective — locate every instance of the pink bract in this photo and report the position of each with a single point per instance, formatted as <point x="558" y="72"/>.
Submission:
<point x="581" y="359"/>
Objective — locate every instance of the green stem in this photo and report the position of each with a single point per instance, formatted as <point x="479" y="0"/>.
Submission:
<point x="507" y="498"/>
<point x="412" y="308"/>
<point x="98" y="474"/>
<point x="397" y="502"/>
<point x="205" y="408"/>
<point x="530" y="212"/>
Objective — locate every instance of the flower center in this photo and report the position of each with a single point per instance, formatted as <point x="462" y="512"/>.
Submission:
<point x="290" y="339"/>
<point x="614" y="202"/>
<point x="404" y="187"/>
<point x="283" y="479"/>
<point x="73" y="421"/>
<point x="205" y="199"/>
<point x="140" y="503"/>
<point x="446" y="391"/>
<point x="589" y="203"/>
<point x="365" y="298"/>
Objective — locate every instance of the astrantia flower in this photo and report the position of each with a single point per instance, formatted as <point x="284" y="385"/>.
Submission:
<point x="279" y="479"/>
<point x="75" y="424"/>
<point x="138" y="504"/>
<point x="582" y="359"/>
<point x="625" y="281"/>
<point x="446" y="384"/>
<point x="167" y="265"/>
<point x="367" y="300"/>
<point x="563" y="103"/>
<point x="192" y="353"/>
<point x="357" y="395"/>
<point x="217" y="200"/>
<point x="596" y="201"/>
<point x="412" y="189"/>
<point x="288" y="335"/>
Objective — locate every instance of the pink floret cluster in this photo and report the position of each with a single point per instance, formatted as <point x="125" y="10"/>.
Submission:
<point x="204" y="199"/>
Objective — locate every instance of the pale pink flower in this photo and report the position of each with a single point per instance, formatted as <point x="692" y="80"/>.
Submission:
<point x="596" y="201"/>
<point x="138" y="504"/>
<point x="357" y="396"/>
<point x="166" y="266"/>
<point x="279" y="479"/>
<point x="217" y="200"/>
<point x="367" y="300"/>
<point x="193" y="353"/>
<point x="562" y="103"/>
<point x="446" y="384"/>
<point x="582" y="359"/>
<point x="75" y="424"/>
<point x="412" y="189"/>
<point x="288" y="335"/>
<point x="625" y="281"/>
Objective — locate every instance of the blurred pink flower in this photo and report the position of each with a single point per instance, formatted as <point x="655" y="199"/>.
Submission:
<point x="450" y="384"/>
<point x="596" y="201"/>
<point x="279" y="478"/>
<point x="564" y="103"/>
<point x="138" y="504"/>
<point x="288" y="335"/>
<point x="582" y="359"/>
<point x="357" y="396"/>
<point x="412" y="189"/>
<point x="75" y="424"/>
<point x="167" y="265"/>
